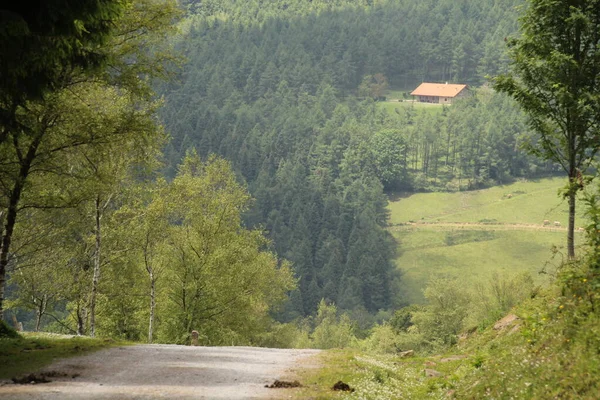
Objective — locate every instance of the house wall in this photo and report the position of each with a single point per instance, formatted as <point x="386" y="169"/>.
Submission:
<point x="462" y="93"/>
<point x="429" y="99"/>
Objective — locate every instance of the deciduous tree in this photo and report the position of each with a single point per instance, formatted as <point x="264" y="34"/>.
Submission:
<point x="555" y="77"/>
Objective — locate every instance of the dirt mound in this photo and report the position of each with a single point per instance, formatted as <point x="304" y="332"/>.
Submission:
<point x="344" y="387"/>
<point x="42" y="377"/>
<point x="284" y="385"/>
<point x="31" y="379"/>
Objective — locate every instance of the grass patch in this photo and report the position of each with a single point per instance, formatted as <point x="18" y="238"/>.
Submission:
<point x="392" y="105"/>
<point x="549" y="351"/>
<point x="531" y="202"/>
<point x="454" y="238"/>
<point x="33" y="351"/>
<point x="473" y="254"/>
<point x="375" y="376"/>
<point x="473" y="257"/>
<point x="338" y="365"/>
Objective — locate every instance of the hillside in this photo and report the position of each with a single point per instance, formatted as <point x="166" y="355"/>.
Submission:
<point x="472" y="235"/>
<point x="277" y="89"/>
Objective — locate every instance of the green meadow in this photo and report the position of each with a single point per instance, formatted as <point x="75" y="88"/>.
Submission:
<point x="392" y="105"/>
<point x="485" y="232"/>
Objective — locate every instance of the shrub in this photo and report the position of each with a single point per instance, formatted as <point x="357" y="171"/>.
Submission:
<point x="6" y="332"/>
<point x="382" y="340"/>
<point x="331" y="331"/>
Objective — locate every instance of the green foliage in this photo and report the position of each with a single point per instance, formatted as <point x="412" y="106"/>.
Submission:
<point x="274" y="97"/>
<point x="7" y="332"/>
<point x="402" y="318"/>
<point x="451" y="308"/>
<point x="441" y="322"/>
<point x="382" y="340"/>
<point x="281" y="336"/>
<point x="373" y="86"/>
<point x="388" y="150"/>
<point x="81" y="135"/>
<point x="554" y="78"/>
<point x="40" y="41"/>
<point x="220" y="280"/>
<point x="332" y="331"/>
<point x="497" y="297"/>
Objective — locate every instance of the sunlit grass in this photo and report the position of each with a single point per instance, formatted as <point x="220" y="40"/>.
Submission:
<point x="531" y="202"/>
<point x="426" y="254"/>
<point x="337" y="365"/>
<point x="36" y="350"/>
<point x="474" y="255"/>
<point x="377" y="377"/>
<point x="393" y="105"/>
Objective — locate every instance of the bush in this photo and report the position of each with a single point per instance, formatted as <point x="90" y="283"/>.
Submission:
<point x="383" y="340"/>
<point x="496" y="299"/>
<point x="6" y="332"/>
<point x="331" y="331"/>
<point x="284" y="336"/>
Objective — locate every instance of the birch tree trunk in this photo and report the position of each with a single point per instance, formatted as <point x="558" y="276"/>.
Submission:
<point x="41" y="310"/>
<point x="571" y="227"/>
<point x="96" y="277"/>
<point x="152" y="306"/>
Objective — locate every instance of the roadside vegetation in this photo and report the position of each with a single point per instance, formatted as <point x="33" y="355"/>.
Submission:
<point x="22" y="353"/>
<point x="520" y="341"/>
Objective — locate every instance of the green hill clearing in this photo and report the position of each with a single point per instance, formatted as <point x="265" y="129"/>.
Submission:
<point x="472" y="235"/>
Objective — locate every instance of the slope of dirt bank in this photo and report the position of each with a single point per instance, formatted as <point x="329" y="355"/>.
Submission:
<point x="166" y="371"/>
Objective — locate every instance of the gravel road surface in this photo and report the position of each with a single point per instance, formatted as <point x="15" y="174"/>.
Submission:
<point x="167" y="372"/>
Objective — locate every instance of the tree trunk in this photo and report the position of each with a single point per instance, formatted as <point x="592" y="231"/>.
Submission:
<point x="4" y="249"/>
<point x="96" y="277"/>
<point x="41" y="310"/>
<point x="11" y="219"/>
<point x="571" y="227"/>
<point x="81" y="317"/>
<point x="11" y="212"/>
<point x="152" y="307"/>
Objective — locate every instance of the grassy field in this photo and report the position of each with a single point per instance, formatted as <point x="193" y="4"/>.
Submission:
<point x="531" y="202"/>
<point x="392" y="105"/>
<point x="36" y="350"/>
<point x="474" y="253"/>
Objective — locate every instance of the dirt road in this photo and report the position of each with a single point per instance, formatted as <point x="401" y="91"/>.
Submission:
<point x="448" y="226"/>
<point x="167" y="372"/>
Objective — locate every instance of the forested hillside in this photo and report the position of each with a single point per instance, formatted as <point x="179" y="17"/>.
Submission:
<point x="273" y="86"/>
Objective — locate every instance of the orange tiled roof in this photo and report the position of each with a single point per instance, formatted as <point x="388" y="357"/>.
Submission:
<point x="438" y="89"/>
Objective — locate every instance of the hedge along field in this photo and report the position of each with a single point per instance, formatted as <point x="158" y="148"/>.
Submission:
<point x="523" y="202"/>
<point x="392" y="105"/>
<point x="474" y="254"/>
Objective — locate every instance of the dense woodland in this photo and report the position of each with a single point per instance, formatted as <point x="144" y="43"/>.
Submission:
<point x="277" y="89"/>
